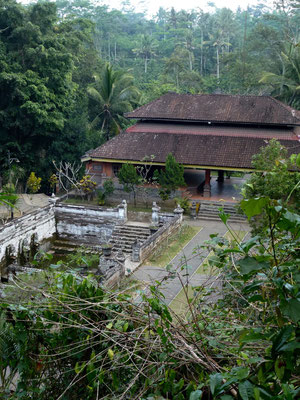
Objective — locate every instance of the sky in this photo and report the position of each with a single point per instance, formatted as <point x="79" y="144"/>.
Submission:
<point x="151" y="6"/>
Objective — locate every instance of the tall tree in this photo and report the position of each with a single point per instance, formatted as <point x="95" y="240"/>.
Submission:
<point x="113" y="93"/>
<point x="146" y="49"/>
<point x="286" y="84"/>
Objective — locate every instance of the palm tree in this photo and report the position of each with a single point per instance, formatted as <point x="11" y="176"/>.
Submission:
<point x="146" y="50"/>
<point x="286" y="84"/>
<point x="176" y="63"/>
<point x="9" y="198"/>
<point x="114" y="94"/>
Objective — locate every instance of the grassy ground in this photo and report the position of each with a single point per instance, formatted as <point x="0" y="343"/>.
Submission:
<point x="172" y="246"/>
<point x="205" y="267"/>
<point x="130" y="207"/>
<point x="180" y="303"/>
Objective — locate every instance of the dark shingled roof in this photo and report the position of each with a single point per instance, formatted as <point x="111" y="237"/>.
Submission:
<point x="203" y="149"/>
<point x="218" y="108"/>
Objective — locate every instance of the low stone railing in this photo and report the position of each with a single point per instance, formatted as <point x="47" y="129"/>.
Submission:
<point x="171" y="223"/>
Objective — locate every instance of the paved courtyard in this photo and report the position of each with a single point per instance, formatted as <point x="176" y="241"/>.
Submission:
<point x="192" y="257"/>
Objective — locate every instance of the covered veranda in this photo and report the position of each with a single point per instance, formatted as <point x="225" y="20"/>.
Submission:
<point x="223" y="186"/>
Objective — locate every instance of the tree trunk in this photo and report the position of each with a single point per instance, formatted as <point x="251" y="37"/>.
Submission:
<point x="108" y="48"/>
<point x="201" y="53"/>
<point x="218" y="65"/>
<point x="146" y="64"/>
<point x="191" y="61"/>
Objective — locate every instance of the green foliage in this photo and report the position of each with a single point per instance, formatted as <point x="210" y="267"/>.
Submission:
<point x="129" y="177"/>
<point x="77" y="339"/>
<point x="112" y="94"/>
<point x="53" y="180"/>
<point x="286" y="82"/>
<point x="43" y="74"/>
<point x="33" y="183"/>
<point x="171" y="178"/>
<point x="184" y="203"/>
<point x="87" y="185"/>
<point x="9" y="198"/>
<point x="276" y="177"/>
<point x="108" y="189"/>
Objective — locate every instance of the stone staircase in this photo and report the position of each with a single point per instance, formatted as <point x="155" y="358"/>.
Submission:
<point x="62" y="247"/>
<point x="124" y="236"/>
<point x="209" y="210"/>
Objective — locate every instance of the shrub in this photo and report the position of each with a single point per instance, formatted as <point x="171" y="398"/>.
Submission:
<point x="33" y="183"/>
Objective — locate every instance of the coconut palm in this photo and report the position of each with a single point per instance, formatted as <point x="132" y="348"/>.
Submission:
<point x="286" y="84"/>
<point x="146" y="49"/>
<point x="114" y="94"/>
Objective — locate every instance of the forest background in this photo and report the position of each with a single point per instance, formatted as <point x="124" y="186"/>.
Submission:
<point x="56" y="57"/>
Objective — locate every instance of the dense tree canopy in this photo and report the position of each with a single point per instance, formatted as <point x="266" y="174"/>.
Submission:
<point x="51" y="52"/>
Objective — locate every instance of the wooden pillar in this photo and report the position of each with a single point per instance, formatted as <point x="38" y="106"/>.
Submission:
<point x="207" y="187"/>
<point x="220" y="176"/>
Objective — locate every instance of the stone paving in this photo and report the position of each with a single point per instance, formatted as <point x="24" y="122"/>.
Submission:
<point x="26" y="203"/>
<point x="191" y="256"/>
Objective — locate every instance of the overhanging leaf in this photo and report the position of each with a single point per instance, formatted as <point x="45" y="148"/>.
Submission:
<point x="246" y="390"/>
<point x="292" y="309"/>
<point x="255" y="206"/>
<point x="196" y="395"/>
<point x="250" y="264"/>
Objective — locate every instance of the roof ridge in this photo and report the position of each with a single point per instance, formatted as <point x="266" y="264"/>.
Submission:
<point x="146" y="104"/>
<point x="286" y="107"/>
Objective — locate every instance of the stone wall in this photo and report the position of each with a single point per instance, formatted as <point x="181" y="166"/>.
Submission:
<point x="171" y="223"/>
<point x="139" y="216"/>
<point x="88" y="224"/>
<point x="22" y="232"/>
<point x="161" y="234"/>
<point x="144" y="195"/>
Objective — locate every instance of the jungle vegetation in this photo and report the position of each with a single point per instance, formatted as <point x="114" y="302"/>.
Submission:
<point x="70" y="69"/>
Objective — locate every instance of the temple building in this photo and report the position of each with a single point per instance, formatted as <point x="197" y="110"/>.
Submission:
<point x="209" y="132"/>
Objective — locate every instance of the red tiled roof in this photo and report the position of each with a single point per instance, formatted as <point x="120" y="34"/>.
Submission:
<point x="218" y="108"/>
<point x="227" y="151"/>
<point x="212" y="130"/>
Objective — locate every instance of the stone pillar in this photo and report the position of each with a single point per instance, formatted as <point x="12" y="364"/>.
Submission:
<point x="193" y="210"/>
<point x="111" y="269"/>
<point x="207" y="187"/>
<point x="53" y="199"/>
<point x="123" y="210"/>
<point x="220" y="176"/>
<point x="136" y="252"/>
<point x="179" y="211"/>
<point x="155" y="211"/>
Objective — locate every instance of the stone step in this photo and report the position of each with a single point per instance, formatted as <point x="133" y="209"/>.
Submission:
<point x="123" y="249"/>
<point x="130" y="238"/>
<point x="124" y="236"/>
<point x="143" y="231"/>
<point x="132" y="233"/>
<point x="122" y="242"/>
<point x="210" y="212"/>
<point x="213" y="217"/>
<point x="226" y="209"/>
<point x="63" y="248"/>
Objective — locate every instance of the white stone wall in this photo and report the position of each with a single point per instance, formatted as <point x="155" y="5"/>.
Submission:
<point x="90" y="225"/>
<point x="41" y="223"/>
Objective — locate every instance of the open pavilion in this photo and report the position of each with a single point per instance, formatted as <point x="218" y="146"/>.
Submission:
<point x="211" y="135"/>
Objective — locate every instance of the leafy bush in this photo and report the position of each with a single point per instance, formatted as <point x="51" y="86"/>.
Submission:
<point x="108" y="189"/>
<point x="33" y="183"/>
<point x="184" y="203"/>
<point x="171" y="178"/>
<point x="76" y="339"/>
